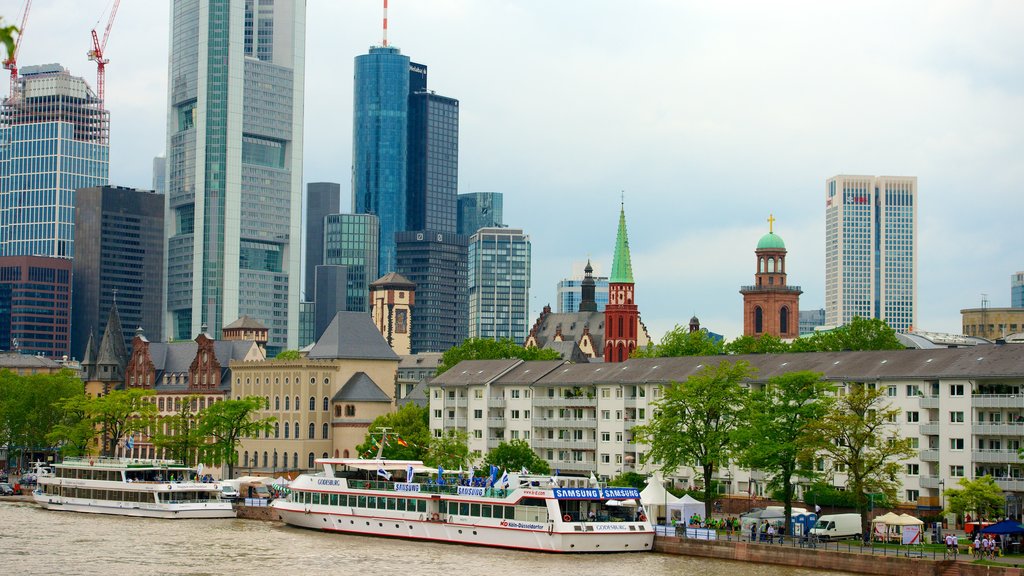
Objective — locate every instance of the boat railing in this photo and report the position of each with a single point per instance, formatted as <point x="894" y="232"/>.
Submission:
<point x="428" y="488"/>
<point x="119" y="462"/>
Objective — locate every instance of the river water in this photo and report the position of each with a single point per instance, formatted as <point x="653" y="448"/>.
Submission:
<point x="37" y="541"/>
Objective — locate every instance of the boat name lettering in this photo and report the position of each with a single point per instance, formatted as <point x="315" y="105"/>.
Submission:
<point x="577" y="493"/>
<point x="606" y="527"/>
<point x="621" y="493"/>
<point x="406" y="487"/>
<point x="507" y="524"/>
<point x="471" y="491"/>
<point x="328" y="482"/>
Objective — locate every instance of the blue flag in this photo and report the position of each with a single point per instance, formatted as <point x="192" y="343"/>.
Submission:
<point x="130" y="444"/>
<point x="384" y="473"/>
<point x="408" y="473"/>
<point x="494" y="474"/>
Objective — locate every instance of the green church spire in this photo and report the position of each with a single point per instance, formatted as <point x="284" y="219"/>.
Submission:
<point x="622" y="267"/>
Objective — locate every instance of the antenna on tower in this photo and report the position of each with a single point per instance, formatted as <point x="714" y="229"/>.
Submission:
<point x="385" y="42"/>
<point x="984" y="300"/>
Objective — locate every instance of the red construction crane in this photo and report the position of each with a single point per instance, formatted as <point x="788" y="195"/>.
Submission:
<point x="97" y="55"/>
<point x="12" y="60"/>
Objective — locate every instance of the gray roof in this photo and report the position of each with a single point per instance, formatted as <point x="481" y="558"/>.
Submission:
<point x="572" y="324"/>
<point x="177" y="357"/>
<point x="245" y="321"/>
<point x="361" y="388"/>
<point x="981" y="361"/>
<point x="112" y="351"/>
<point x="937" y="340"/>
<point x="526" y="373"/>
<point x="352" y="335"/>
<point x="568" y="350"/>
<point x="19" y="360"/>
<point x="394" y="279"/>
<point x="420" y="360"/>
<point x="417" y="396"/>
<point x="89" y="357"/>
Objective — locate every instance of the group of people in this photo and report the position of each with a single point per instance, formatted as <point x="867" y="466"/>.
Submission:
<point x="766" y="531"/>
<point x="984" y="546"/>
<point x="730" y="523"/>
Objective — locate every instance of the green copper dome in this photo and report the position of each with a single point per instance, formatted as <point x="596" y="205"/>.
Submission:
<point x="622" y="266"/>
<point x="771" y="241"/>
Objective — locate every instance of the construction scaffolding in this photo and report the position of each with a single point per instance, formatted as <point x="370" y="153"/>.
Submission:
<point x="49" y="93"/>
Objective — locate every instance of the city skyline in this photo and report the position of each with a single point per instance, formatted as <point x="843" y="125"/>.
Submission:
<point x="720" y="115"/>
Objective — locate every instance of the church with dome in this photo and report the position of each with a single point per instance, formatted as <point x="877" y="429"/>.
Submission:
<point x="771" y="305"/>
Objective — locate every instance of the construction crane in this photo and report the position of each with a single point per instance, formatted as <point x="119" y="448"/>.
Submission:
<point x="97" y="54"/>
<point x="12" y="60"/>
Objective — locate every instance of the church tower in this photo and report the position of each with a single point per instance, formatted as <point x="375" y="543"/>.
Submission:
<point x="621" y="317"/>
<point x="392" y="298"/>
<point x="771" y="306"/>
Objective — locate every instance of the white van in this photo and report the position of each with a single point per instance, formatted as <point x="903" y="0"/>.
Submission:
<point x="835" y="526"/>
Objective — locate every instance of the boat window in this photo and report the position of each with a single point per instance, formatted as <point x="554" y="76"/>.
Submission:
<point x="510" y="512"/>
<point x="382" y="503"/>
<point x="421" y="505"/>
<point x="401" y="504"/>
<point x="474" y="510"/>
<point x="362" y="501"/>
<point x="391" y="503"/>
<point x="485" y="511"/>
<point x="334" y="499"/>
<point x="316" y="498"/>
<point x="464" y="508"/>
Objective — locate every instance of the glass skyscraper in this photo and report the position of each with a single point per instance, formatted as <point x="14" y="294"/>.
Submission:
<point x="1017" y="290"/>
<point x="871" y="249"/>
<point x="55" y="136"/>
<point x="322" y="198"/>
<point x="235" y="166"/>
<point x="499" y="284"/>
<point x="479" y="210"/>
<point x="433" y="163"/>
<point x="436" y="263"/>
<point x="570" y="291"/>
<point x="351" y="240"/>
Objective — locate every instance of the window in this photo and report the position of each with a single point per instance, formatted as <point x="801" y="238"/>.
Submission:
<point x="478" y="434"/>
<point x="605" y="458"/>
<point x="325" y="429"/>
<point x="913" y="417"/>
<point x="913" y="390"/>
<point x="890" y="391"/>
<point x="618" y="436"/>
<point x="478" y="393"/>
<point x="327" y="404"/>
<point x="312" y="403"/>
<point x="350" y="410"/>
<point x="912" y="495"/>
<point x="312" y="430"/>
<point x="515" y="414"/>
<point x="956" y="444"/>
<point x="309" y="464"/>
<point x="478" y="414"/>
<point x="287" y="403"/>
<point x="956" y="389"/>
<point x="641" y="414"/>
<point x="606" y="392"/>
<point x="606" y="414"/>
<point x="915" y="442"/>
<point x="606" y="437"/>
<point x="515" y="393"/>
<point x="437" y="413"/>
<point x="277" y="403"/>
<point x="277" y="431"/>
<point x="913" y="469"/>
<point x="526" y="414"/>
<point x="286" y="428"/>
<point x="956" y="471"/>
<point x="956" y="417"/>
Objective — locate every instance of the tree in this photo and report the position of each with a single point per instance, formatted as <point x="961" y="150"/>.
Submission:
<point x="859" y="334"/>
<point x="679" y="341"/>
<point x="488" y="349"/>
<point x="764" y="344"/>
<point x="30" y="409"/>
<point x="76" y="432"/>
<point x="516" y="454"/>
<point x="288" y="355"/>
<point x="183" y="439"/>
<point x="449" y="451"/>
<point x="7" y="36"/>
<point x="120" y="414"/>
<point x="859" y="437"/>
<point x="410" y="424"/>
<point x="775" y="438"/>
<point x="638" y="481"/>
<point x="227" y="422"/>
<point x="695" y="422"/>
<point x="981" y="496"/>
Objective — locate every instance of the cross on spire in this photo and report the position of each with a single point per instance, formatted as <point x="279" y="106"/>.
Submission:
<point x="771" y="223"/>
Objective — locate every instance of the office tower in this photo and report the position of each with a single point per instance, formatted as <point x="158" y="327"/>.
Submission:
<point x="436" y="263"/>
<point x="479" y="210"/>
<point x="331" y="290"/>
<point x="56" y="139"/>
<point x="35" y="305"/>
<point x="1017" y="290"/>
<point x="322" y="198"/>
<point x="771" y="306"/>
<point x="380" y="144"/>
<point x="119" y="257"/>
<point x="432" y="178"/>
<point x="811" y="319"/>
<point x="871" y="250"/>
<point x="569" y="291"/>
<point x="350" y="240"/>
<point x="307" y="324"/>
<point x="234" y="155"/>
<point x="160" y="174"/>
<point x="499" y="284"/>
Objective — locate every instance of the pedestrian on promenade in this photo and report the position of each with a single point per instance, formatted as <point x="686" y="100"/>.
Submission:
<point x="771" y="534"/>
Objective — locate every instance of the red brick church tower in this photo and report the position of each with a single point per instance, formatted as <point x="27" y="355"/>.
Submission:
<point x="771" y="306"/>
<point x="621" y="317"/>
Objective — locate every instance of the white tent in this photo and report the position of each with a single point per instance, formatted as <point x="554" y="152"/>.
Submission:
<point x="655" y="497"/>
<point x="680" y="512"/>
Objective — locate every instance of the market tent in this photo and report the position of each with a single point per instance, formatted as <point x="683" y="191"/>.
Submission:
<point x="908" y="520"/>
<point x="1004" y="527"/>
<point x="681" y="511"/>
<point x="655" y="497"/>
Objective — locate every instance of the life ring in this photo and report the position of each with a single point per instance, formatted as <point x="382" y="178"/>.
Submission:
<point x="169" y="487"/>
<point x="643" y="518"/>
<point x="435" y="517"/>
<point x="92" y="462"/>
<point x="567" y="518"/>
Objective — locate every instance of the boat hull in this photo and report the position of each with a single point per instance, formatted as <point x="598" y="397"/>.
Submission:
<point x="520" y="535"/>
<point x="167" y="511"/>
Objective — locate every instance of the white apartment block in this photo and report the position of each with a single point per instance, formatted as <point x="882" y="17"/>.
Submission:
<point x="962" y="407"/>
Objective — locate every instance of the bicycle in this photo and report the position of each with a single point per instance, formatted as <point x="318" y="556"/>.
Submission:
<point x="952" y="552"/>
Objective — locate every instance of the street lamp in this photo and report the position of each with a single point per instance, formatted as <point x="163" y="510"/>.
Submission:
<point x="942" y="497"/>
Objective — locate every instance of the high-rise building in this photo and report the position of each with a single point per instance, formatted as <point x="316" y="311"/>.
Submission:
<point x="119" y="257"/>
<point x="479" y="210"/>
<point x="331" y="294"/>
<point x="160" y="174"/>
<point x="234" y="158"/>
<point x="436" y="263"/>
<point x="499" y="284"/>
<point x="1017" y="290"/>
<point x="56" y="139"/>
<point x="871" y="250"/>
<point x="322" y="198"/>
<point x="432" y="179"/>
<point x="350" y="240"/>
<point x="569" y="291"/>
<point x="35" y="305"/>
<point x="811" y="319"/>
<point x="380" y="144"/>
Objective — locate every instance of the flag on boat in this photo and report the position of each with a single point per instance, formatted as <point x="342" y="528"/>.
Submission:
<point x="408" y="473"/>
<point x="130" y="444"/>
<point x="593" y="479"/>
<point x="504" y="479"/>
<point x="440" y="471"/>
<point x="494" y="475"/>
<point x="384" y="473"/>
<point x="400" y="441"/>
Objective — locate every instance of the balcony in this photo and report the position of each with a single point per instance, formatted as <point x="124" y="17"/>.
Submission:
<point x="581" y="402"/>
<point x="557" y="422"/>
<point x="493" y="422"/>
<point x="566" y="444"/>
<point x="997" y="401"/>
<point x="998" y="429"/>
<point x="459" y="423"/>
<point x="1011" y="484"/>
<point x="455" y="402"/>
<point x="929" y="482"/>
<point x="995" y="456"/>
<point x="492" y="443"/>
<point x="929" y="456"/>
<point x="583" y="466"/>
<point x="770" y="288"/>
<point x="929" y="401"/>
<point x="930" y="429"/>
<point x="496" y="402"/>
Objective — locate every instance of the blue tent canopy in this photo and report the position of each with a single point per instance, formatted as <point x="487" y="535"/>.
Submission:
<point x="1004" y="527"/>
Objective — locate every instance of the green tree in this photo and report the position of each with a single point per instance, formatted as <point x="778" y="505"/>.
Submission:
<point x="120" y="414"/>
<point x="679" y="341"/>
<point x="859" y="334"/>
<point x="638" y="481"/>
<point x="695" y="422"/>
<point x="982" y="497"/>
<point x="860" y="438"/>
<point x="411" y="424"/>
<point x="288" y="355"/>
<point x="226" y="423"/>
<point x="7" y="37"/>
<point x="76" y="432"/>
<point x="488" y="349"/>
<point x="449" y="451"/>
<point x="775" y="438"/>
<point x="183" y="440"/>
<point x="516" y="454"/>
<point x="764" y="344"/>
<point x="30" y="409"/>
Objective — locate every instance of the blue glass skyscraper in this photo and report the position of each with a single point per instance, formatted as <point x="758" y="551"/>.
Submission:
<point x="380" y="144"/>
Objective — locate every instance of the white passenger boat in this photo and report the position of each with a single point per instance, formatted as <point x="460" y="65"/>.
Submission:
<point x="130" y="487"/>
<point x="532" y="513"/>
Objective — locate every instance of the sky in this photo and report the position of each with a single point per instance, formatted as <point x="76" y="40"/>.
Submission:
<point x="705" y="117"/>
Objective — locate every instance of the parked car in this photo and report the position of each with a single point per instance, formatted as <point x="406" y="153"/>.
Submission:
<point x="6" y="489"/>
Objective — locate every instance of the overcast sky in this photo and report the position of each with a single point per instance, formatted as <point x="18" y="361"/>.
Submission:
<point x="708" y="115"/>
